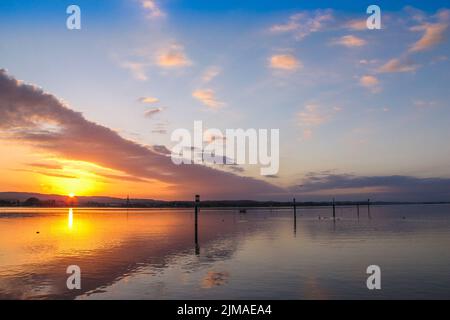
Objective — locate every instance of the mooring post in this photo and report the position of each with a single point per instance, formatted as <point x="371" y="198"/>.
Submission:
<point x="357" y="210"/>
<point x="295" y="216"/>
<point x="197" y="203"/>
<point x="295" y="209"/>
<point x="334" y="209"/>
<point x="368" y="208"/>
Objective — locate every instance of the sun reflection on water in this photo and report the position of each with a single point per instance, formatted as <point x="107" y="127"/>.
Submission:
<point x="70" y="218"/>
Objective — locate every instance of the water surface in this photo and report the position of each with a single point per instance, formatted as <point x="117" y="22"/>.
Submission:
<point x="260" y="254"/>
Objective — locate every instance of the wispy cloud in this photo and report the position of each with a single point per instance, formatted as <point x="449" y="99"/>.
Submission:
<point x="350" y="41"/>
<point x="357" y="25"/>
<point x="53" y="166"/>
<point x="152" y="8"/>
<point x="370" y="82"/>
<point x="398" y="65"/>
<point x="137" y="69"/>
<point x="304" y="23"/>
<point x="211" y="73"/>
<point x="284" y="62"/>
<point x="208" y="98"/>
<point x="422" y="104"/>
<point x="432" y="33"/>
<point x="312" y="116"/>
<point x="151" y="112"/>
<point x="149" y="100"/>
<point x="172" y="57"/>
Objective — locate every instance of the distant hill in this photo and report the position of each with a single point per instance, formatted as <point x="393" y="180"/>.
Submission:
<point x="55" y="200"/>
<point x="23" y="196"/>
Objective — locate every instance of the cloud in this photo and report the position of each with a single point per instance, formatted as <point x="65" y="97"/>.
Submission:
<point x="397" y="65"/>
<point x="152" y="8"/>
<point x="49" y="174"/>
<point x="421" y="104"/>
<point x="159" y="131"/>
<point x="211" y="73"/>
<point x="304" y="23"/>
<point x="393" y="188"/>
<point x="207" y="97"/>
<point x="26" y="112"/>
<point x="432" y="33"/>
<point x="284" y="62"/>
<point x="151" y="112"/>
<point x="313" y="115"/>
<point x="370" y="82"/>
<point x="350" y="41"/>
<point x="46" y="166"/>
<point x="173" y="57"/>
<point x="137" y="69"/>
<point x="357" y="25"/>
<point x="149" y="100"/>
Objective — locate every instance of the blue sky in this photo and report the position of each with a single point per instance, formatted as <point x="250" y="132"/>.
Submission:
<point x="347" y="100"/>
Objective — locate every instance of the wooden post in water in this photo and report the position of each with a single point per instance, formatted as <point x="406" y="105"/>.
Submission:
<point x="368" y="208"/>
<point x="197" y="203"/>
<point x="334" y="210"/>
<point x="295" y="216"/>
<point x="357" y="210"/>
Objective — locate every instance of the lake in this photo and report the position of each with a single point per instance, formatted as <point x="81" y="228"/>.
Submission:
<point x="260" y="254"/>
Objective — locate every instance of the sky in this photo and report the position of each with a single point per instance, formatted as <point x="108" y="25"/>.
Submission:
<point x="361" y="113"/>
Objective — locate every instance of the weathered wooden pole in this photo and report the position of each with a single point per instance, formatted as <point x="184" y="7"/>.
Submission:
<point x="196" y="204"/>
<point x="295" y="216"/>
<point x="357" y="210"/>
<point x="368" y="208"/>
<point x="334" y="209"/>
<point x="295" y="209"/>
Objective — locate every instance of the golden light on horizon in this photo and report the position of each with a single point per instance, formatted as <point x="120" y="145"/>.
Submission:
<point x="71" y="195"/>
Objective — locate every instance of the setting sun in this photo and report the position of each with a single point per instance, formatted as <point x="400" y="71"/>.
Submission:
<point x="71" y="195"/>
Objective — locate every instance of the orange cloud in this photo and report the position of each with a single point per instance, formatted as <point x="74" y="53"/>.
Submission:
<point x="207" y="97"/>
<point x="433" y="33"/>
<point x="285" y="62"/>
<point x="148" y="100"/>
<point x="397" y="65"/>
<point x="350" y="41"/>
<point x="370" y="82"/>
<point x="357" y="25"/>
<point x="173" y="57"/>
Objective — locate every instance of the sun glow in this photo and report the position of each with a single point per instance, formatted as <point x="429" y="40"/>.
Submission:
<point x="71" y="195"/>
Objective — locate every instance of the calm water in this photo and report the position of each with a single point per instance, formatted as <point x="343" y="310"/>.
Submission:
<point x="151" y="254"/>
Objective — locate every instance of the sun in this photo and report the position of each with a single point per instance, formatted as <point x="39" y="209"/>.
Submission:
<point x="71" y="195"/>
